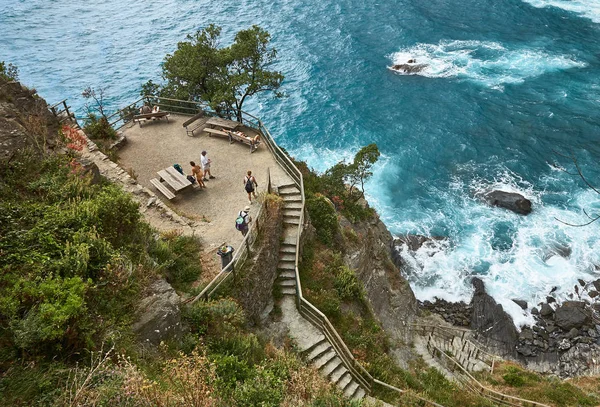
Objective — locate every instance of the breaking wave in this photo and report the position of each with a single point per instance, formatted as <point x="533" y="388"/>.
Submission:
<point x="484" y="62"/>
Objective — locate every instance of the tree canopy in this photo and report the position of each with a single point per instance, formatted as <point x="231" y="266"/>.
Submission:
<point x="224" y="77"/>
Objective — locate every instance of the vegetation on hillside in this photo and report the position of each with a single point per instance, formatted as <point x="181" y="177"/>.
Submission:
<point x="9" y="71"/>
<point x="223" y="77"/>
<point x="342" y="186"/>
<point x="510" y="378"/>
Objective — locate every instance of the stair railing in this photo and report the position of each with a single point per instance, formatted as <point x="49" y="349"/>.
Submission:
<point x="452" y="334"/>
<point x="240" y="255"/>
<point x="473" y="384"/>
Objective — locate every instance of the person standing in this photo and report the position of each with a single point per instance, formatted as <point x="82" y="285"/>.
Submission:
<point x="197" y="173"/>
<point x="250" y="185"/>
<point x="205" y="162"/>
<point x="243" y="220"/>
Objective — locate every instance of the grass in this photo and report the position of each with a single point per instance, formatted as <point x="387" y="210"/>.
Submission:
<point x="512" y="379"/>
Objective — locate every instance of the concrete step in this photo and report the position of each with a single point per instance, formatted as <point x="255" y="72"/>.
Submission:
<point x="331" y="366"/>
<point x="290" y="233"/>
<point x="291" y="220"/>
<point x="291" y="212"/>
<point x="287" y="248"/>
<point x="292" y="205"/>
<point x="337" y="374"/>
<point x="287" y="187"/>
<point x="287" y="283"/>
<point x="321" y="343"/>
<point x="286" y="265"/>
<point x="288" y="291"/>
<point x="289" y="192"/>
<point x="287" y="275"/>
<point x="288" y="199"/>
<point x="350" y="389"/>
<point x="322" y="360"/>
<point x="287" y="257"/>
<point x="359" y="394"/>
<point x="344" y="380"/>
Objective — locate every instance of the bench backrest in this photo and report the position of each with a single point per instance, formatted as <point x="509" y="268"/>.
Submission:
<point x="193" y="119"/>
<point x="150" y="115"/>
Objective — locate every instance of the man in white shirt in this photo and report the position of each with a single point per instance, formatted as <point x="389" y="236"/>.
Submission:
<point x="205" y="162"/>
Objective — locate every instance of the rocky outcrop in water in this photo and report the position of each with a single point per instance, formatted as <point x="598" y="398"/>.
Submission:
<point x="509" y="200"/>
<point x="409" y="69"/>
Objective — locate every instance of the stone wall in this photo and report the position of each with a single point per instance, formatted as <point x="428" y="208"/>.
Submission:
<point x="254" y="281"/>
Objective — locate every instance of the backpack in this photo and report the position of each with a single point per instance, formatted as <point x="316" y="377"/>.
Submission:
<point x="178" y="168"/>
<point x="240" y="222"/>
<point x="249" y="185"/>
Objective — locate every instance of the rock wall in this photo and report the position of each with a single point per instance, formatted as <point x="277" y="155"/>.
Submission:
<point x="158" y="314"/>
<point x="390" y="295"/>
<point x="24" y="120"/>
<point x="254" y="286"/>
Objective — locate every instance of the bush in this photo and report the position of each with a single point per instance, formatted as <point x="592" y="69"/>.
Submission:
<point x="347" y="285"/>
<point x="178" y="259"/>
<point x="264" y="389"/>
<point x="324" y="218"/>
<point x="217" y="317"/>
<point x="98" y="128"/>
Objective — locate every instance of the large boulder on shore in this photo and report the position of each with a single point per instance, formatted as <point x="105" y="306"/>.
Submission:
<point x="159" y="317"/>
<point x="491" y="322"/>
<point x="509" y="200"/>
<point x="572" y="314"/>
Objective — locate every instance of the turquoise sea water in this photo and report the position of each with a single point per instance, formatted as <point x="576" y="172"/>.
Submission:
<point x="508" y="84"/>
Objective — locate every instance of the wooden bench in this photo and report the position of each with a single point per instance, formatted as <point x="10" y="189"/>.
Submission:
<point x="149" y="116"/>
<point x="165" y="191"/>
<point x="189" y="129"/>
<point x="244" y="139"/>
<point x="215" y="132"/>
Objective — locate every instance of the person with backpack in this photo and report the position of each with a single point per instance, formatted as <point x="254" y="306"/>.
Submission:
<point x="197" y="175"/>
<point x="243" y="220"/>
<point x="250" y="185"/>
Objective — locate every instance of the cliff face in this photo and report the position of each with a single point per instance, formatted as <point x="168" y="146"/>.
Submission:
<point x="368" y="252"/>
<point x="24" y="120"/>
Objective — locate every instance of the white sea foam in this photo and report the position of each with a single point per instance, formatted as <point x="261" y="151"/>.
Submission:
<point x="586" y="8"/>
<point x="485" y="62"/>
<point x="526" y="267"/>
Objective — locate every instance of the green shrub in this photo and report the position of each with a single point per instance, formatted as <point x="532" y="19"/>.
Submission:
<point x="217" y="317"/>
<point x="230" y="370"/>
<point x="264" y="389"/>
<point x="177" y="258"/>
<point x="513" y="379"/>
<point x="347" y="285"/>
<point x="323" y="218"/>
<point x="98" y="128"/>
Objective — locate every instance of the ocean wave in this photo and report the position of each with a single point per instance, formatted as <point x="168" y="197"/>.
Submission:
<point x="517" y="257"/>
<point x="586" y="8"/>
<point x="486" y="62"/>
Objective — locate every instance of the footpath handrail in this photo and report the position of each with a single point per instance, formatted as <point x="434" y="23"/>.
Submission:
<point x="446" y="334"/>
<point x="238" y="255"/>
<point x="473" y="384"/>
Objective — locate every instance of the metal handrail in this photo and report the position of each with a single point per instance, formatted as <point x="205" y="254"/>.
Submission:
<point x="486" y="392"/>
<point x="489" y="358"/>
<point x="238" y="255"/>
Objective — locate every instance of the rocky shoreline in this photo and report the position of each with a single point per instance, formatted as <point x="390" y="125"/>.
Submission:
<point x="565" y="339"/>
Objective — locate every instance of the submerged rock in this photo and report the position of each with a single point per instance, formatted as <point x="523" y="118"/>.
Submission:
<point x="520" y="303"/>
<point x="509" y="200"/>
<point x="415" y="242"/>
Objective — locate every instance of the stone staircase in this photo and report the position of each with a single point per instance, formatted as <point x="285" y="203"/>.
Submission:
<point x="312" y="343"/>
<point x="463" y="351"/>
